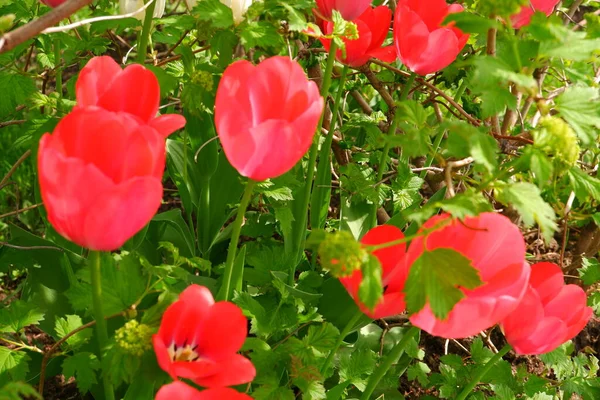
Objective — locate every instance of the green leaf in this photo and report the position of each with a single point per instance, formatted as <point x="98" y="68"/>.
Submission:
<point x="14" y="365"/>
<point x="19" y="315"/>
<point x="21" y="88"/>
<point x="437" y="277"/>
<point x="64" y="326"/>
<point x="214" y="12"/>
<point x="355" y="365"/>
<point x="470" y="23"/>
<point x="18" y="391"/>
<point x="580" y="107"/>
<point x="82" y="366"/>
<point x="270" y="392"/>
<point x="261" y="34"/>
<point x="589" y="271"/>
<point x="419" y="371"/>
<point x="370" y="290"/>
<point x="122" y="284"/>
<point x="322" y="337"/>
<point x="466" y="204"/>
<point x="584" y="185"/>
<point x="466" y="140"/>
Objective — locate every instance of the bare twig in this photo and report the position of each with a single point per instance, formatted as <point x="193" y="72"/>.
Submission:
<point x="14" y="168"/>
<point x="448" y="172"/>
<point x="13" y="122"/>
<point x="16" y="212"/>
<point x="13" y="246"/>
<point x="376" y="83"/>
<point x="13" y="38"/>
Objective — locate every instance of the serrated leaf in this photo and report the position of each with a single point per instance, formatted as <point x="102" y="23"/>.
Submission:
<point x="21" y="88"/>
<point x="260" y="34"/>
<point x="18" y="391"/>
<point x="465" y="140"/>
<point x="580" y="107"/>
<point x="271" y="392"/>
<point x="436" y="277"/>
<point x="419" y="371"/>
<point x="82" y="366"/>
<point x="322" y="337"/>
<point x="589" y="271"/>
<point x="64" y="326"/>
<point x="527" y="200"/>
<point x="19" y="315"/>
<point x="14" y="365"/>
<point x="214" y="12"/>
<point x="584" y="185"/>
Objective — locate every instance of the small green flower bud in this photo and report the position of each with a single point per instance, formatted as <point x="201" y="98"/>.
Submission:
<point x="557" y="139"/>
<point x="341" y="254"/>
<point x="134" y="338"/>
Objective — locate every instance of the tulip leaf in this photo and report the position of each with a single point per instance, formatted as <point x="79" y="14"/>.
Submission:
<point x="371" y="287"/>
<point x="436" y="278"/>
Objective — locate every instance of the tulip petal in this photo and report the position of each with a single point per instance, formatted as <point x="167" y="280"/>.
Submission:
<point x="235" y="370"/>
<point x="134" y="91"/>
<point x="389" y="257"/>
<point x="442" y="49"/>
<point x="391" y="304"/>
<point x="121" y="212"/>
<point x="547" y="279"/>
<point x="385" y="54"/>
<point x="180" y="391"/>
<point x="222" y="331"/>
<point x="411" y="36"/>
<point x="94" y="78"/>
<point x="167" y="124"/>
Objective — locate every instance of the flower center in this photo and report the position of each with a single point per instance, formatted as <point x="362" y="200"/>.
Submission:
<point x="186" y="352"/>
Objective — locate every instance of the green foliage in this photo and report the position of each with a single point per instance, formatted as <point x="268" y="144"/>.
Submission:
<point x="18" y="391"/>
<point x="83" y="367"/>
<point x="18" y="316"/>
<point x="436" y="279"/>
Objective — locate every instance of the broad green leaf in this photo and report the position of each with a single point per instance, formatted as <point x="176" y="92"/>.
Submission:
<point x="584" y="185"/>
<point x="466" y="140"/>
<point x="14" y="365"/>
<point x="419" y="371"/>
<point x="261" y="34"/>
<point x="580" y="107"/>
<point x="273" y="393"/>
<point x="18" y="315"/>
<point x="18" y="391"/>
<point x="214" y="12"/>
<point x="21" y="88"/>
<point x="436" y="278"/>
<point x="82" y="366"/>
<point x="322" y="337"/>
<point x="527" y="200"/>
<point x="64" y="326"/>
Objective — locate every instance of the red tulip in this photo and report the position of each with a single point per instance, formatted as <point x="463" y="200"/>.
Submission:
<point x="350" y="9"/>
<point x="496" y="249"/>
<point x="524" y="16"/>
<point x="422" y="43"/>
<point x="133" y="90"/>
<point x="266" y="116"/>
<point x="393" y="273"/>
<point x="373" y="26"/>
<point x="180" y="391"/>
<point x="100" y="176"/>
<point x="198" y="339"/>
<point x="549" y="314"/>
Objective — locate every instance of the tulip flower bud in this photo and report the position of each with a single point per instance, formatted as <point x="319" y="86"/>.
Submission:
<point x="129" y="6"/>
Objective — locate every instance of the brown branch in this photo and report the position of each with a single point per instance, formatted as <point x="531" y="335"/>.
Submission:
<point x="13" y="38"/>
<point x="376" y="83"/>
<point x="12" y="122"/>
<point x="13" y="246"/>
<point x="21" y="210"/>
<point x="491" y="51"/>
<point x="177" y="57"/>
<point x="448" y="173"/>
<point x="14" y="168"/>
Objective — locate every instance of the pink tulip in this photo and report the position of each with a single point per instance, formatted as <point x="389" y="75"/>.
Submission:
<point x="524" y="16"/>
<point x="373" y="26"/>
<point x="393" y="273"/>
<point x="496" y="249"/>
<point x="422" y="43"/>
<point x="266" y="116"/>
<point x="549" y="314"/>
<point x="350" y="9"/>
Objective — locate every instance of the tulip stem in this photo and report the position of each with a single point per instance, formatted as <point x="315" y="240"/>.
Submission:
<point x="351" y="323"/>
<point x="227" y="289"/>
<point x="300" y="237"/>
<point x="387" y="362"/>
<point x="145" y="37"/>
<point x="95" y="261"/>
<point x="480" y="373"/>
<point x="386" y="149"/>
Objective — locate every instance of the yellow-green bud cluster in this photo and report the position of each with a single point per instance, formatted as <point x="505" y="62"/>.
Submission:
<point x="557" y="139"/>
<point x="134" y="338"/>
<point x="204" y="79"/>
<point x="341" y="254"/>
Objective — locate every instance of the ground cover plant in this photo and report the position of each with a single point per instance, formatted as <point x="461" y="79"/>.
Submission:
<point x="271" y="200"/>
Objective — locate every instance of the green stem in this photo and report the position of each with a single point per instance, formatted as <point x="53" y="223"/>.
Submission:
<point x="480" y="373"/>
<point x="351" y="323"/>
<point x="227" y="289"/>
<point x="312" y="161"/>
<point x="335" y="110"/>
<point x="387" y="362"/>
<point x="145" y="37"/>
<point x="58" y="72"/>
<point x="204" y="214"/>
<point x="386" y="149"/>
<point x="95" y="260"/>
